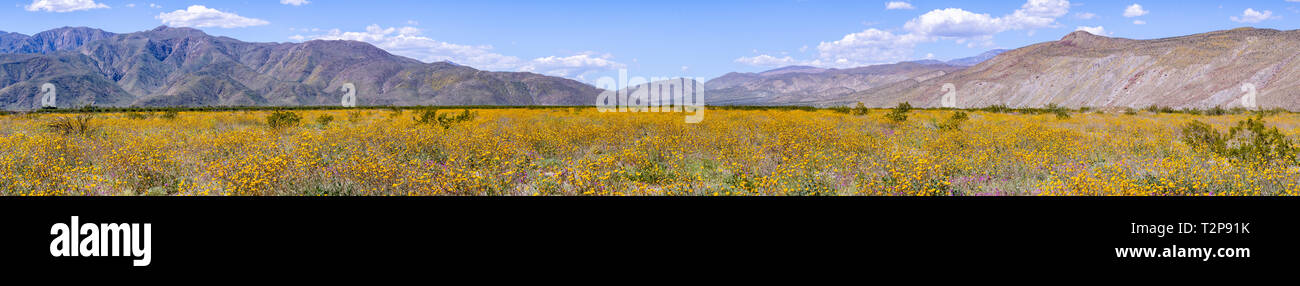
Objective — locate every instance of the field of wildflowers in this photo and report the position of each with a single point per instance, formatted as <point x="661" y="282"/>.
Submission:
<point x="579" y="151"/>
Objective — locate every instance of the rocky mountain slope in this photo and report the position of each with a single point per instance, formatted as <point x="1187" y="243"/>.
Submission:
<point x="186" y="67"/>
<point x="803" y="85"/>
<point x="1081" y="69"/>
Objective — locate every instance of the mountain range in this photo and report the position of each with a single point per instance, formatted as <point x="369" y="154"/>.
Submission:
<point x="185" y="67"/>
<point x="811" y="85"/>
<point x="1084" y="70"/>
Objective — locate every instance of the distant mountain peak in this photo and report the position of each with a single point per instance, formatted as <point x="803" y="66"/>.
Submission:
<point x="177" y="31"/>
<point x="176" y="66"/>
<point x="60" y="39"/>
<point x="978" y="59"/>
<point x="927" y="62"/>
<point x="792" y="69"/>
<point x="1084" y="38"/>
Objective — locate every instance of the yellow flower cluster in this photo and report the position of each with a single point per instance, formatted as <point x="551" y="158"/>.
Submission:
<point x="573" y="151"/>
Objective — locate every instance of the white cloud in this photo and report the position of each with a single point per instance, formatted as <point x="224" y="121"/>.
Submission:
<point x="1038" y="14"/>
<point x="1089" y="16"/>
<point x="62" y="6"/>
<point x="155" y="6"/>
<point x="868" y="47"/>
<point x="1098" y="30"/>
<point x="200" y="16"/>
<point x="575" y="66"/>
<point x="1252" y="16"/>
<point x="898" y="5"/>
<point x="767" y="61"/>
<point x="1139" y="22"/>
<point x="958" y="23"/>
<point x="295" y="2"/>
<point x="408" y="41"/>
<point x="954" y="22"/>
<point x="1135" y="10"/>
<point x="875" y="46"/>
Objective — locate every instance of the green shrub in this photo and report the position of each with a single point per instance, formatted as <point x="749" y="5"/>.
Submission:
<point x="954" y="123"/>
<point x="169" y="115"/>
<point x="1000" y="108"/>
<point x="1203" y="137"/>
<point x="1062" y="114"/>
<point x="860" y="109"/>
<point x="77" y="125"/>
<point x="1216" y="111"/>
<point x="281" y="119"/>
<point x="446" y="120"/>
<point x="136" y="115"/>
<point x="354" y="116"/>
<point x="426" y="116"/>
<point x="324" y="120"/>
<point x="899" y="113"/>
<point x="1250" y="140"/>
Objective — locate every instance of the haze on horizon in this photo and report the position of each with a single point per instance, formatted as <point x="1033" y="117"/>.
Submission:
<point x="585" y="40"/>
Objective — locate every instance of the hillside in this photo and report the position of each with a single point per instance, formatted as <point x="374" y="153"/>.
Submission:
<point x="186" y="67"/>
<point x="1081" y="69"/>
<point x="803" y="85"/>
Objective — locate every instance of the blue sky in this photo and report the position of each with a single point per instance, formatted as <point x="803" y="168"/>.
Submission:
<point x="588" y="39"/>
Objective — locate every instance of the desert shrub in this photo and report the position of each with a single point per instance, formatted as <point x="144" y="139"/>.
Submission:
<point x="324" y="120"/>
<point x="1130" y="111"/>
<point x="1203" y="137"/>
<point x="899" y="113"/>
<point x="1216" y="111"/>
<point x="1250" y="140"/>
<point x="841" y="109"/>
<point x="426" y="116"/>
<point x="446" y="120"/>
<point x="860" y="109"/>
<point x="1062" y="114"/>
<point x="169" y="115"/>
<point x="1000" y="108"/>
<point x="136" y="115"/>
<point x="1270" y="111"/>
<point x="394" y="111"/>
<point x="78" y="125"/>
<point x="954" y="122"/>
<point x="354" y="116"/>
<point x="281" y="119"/>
